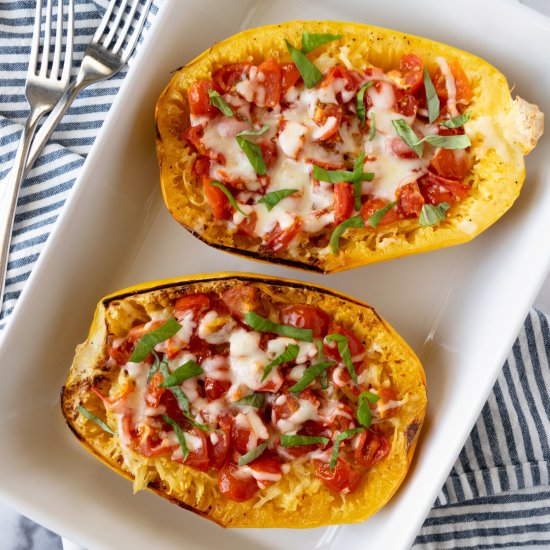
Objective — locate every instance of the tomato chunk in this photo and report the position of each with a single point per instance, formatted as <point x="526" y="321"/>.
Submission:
<point x="412" y="70"/>
<point x="462" y="84"/>
<point x="218" y="443"/>
<point x="266" y="465"/>
<point x="236" y="488"/>
<point x="410" y="200"/>
<point x="289" y="76"/>
<point x="341" y="479"/>
<point x="373" y="205"/>
<point x="356" y="347"/>
<point x="197" y="302"/>
<point x="271" y="81"/>
<point x="452" y="164"/>
<point x="281" y="238"/>
<point x="227" y="76"/>
<point x="198" y="457"/>
<point x="343" y="201"/>
<point x="199" y="101"/>
<point x="306" y="316"/>
<point x="217" y="200"/>
<point x="371" y="448"/>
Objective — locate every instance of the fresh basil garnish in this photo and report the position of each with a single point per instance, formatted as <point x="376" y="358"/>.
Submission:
<point x="261" y="324"/>
<point x="310" y="374"/>
<point x="457" y="121"/>
<point x="376" y="218"/>
<point x="200" y="426"/>
<point x="310" y="40"/>
<point x="253" y="454"/>
<point x="219" y="102"/>
<point x="290" y="353"/>
<point x="179" y="434"/>
<point x="298" y="440"/>
<point x="323" y="378"/>
<point x="431" y="97"/>
<point x="181" y="374"/>
<point x="343" y="350"/>
<point x="253" y="400"/>
<point x="360" y="101"/>
<point x="231" y="198"/>
<point x="148" y="341"/>
<point x="364" y="414"/>
<point x="355" y="221"/>
<point x="154" y="367"/>
<point x="344" y="435"/>
<point x="309" y="72"/>
<point x="430" y="214"/>
<point x="253" y="154"/>
<point x="181" y="398"/>
<point x="372" y="130"/>
<point x="259" y="132"/>
<point x="91" y="416"/>
<point x="406" y="133"/>
<point x="273" y="198"/>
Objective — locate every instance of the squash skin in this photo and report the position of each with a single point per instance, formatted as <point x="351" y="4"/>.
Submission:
<point x="512" y="128"/>
<point x="193" y="489"/>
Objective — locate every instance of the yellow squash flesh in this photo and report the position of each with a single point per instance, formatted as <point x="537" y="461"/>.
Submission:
<point x="502" y="131"/>
<point x="299" y="499"/>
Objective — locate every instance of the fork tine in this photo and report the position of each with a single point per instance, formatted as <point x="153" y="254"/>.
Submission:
<point x="126" y="28"/>
<point x="104" y="21"/>
<point x="116" y="24"/>
<point x="137" y="32"/>
<point x="46" y="46"/>
<point x="58" y="41"/>
<point x="68" y="61"/>
<point x="35" y="46"/>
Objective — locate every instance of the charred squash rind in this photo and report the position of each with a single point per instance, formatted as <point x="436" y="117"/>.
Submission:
<point x="502" y="131"/>
<point x="324" y="508"/>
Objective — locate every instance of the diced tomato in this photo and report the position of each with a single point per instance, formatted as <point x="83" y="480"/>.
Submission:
<point x="352" y="78"/>
<point x="281" y="238"/>
<point x="193" y="135"/>
<point x="410" y="200"/>
<point x="433" y="192"/>
<point x="149" y="444"/>
<point x="198" y="457"/>
<point x="342" y="478"/>
<point x="387" y="395"/>
<point x="248" y="225"/>
<point x="201" y="166"/>
<point x="412" y="70"/>
<point x="371" y="448"/>
<point x="269" y="152"/>
<point x="341" y="418"/>
<point x="218" y="451"/>
<point x="241" y="299"/>
<point x="316" y="429"/>
<point x="173" y="410"/>
<point x="356" y="347"/>
<point x="135" y="333"/>
<point x="289" y="76"/>
<point x="198" y="302"/>
<point x="266" y="464"/>
<point x="373" y="205"/>
<point x="284" y="410"/>
<point x="122" y="353"/>
<point x="220" y="204"/>
<point x="343" y="201"/>
<point x="227" y="76"/>
<point x="401" y="150"/>
<point x="154" y="393"/>
<point x="240" y="435"/>
<point x="405" y="103"/>
<point x="199" y="101"/>
<point x="306" y="316"/>
<point x="452" y="164"/>
<point x="438" y="187"/>
<point x="321" y="116"/>
<point x="271" y="82"/>
<point x="326" y="165"/>
<point x="214" y="389"/>
<point x="462" y="84"/>
<point x="236" y="488"/>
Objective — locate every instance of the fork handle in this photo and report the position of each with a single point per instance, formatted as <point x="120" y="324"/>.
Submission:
<point x="11" y="191"/>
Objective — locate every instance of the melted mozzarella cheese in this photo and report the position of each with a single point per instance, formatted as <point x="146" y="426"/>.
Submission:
<point x="306" y="411"/>
<point x="214" y="328"/>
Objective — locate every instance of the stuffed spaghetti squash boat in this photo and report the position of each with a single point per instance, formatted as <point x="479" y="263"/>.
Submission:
<point x="326" y="145"/>
<point x="252" y="401"/>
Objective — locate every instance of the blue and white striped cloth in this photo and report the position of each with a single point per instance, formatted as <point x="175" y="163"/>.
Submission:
<point x="498" y="493"/>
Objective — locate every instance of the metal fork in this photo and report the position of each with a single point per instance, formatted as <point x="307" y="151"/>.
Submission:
<point x="43" y="89"/>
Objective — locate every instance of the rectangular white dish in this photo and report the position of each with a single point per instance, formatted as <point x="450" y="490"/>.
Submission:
<point x="459" y="308"/>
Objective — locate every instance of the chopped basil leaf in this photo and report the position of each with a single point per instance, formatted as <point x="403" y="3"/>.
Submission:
<point x="290" y="353"/>
<point x="253" y="154"/>
<point x="364" y="414"/>
<point x="154" y="367"/>
<point x="90" y="416"/>
<point x="297" y="440"/>
<point x="360" y="101"/>
<point x="457" y="121"/>
<point x="358" y="176"/>
<point x="179" y="434"/>
<point x="219" y="102"/>
<point x="177" y="392"/>
<point x="309" y="72"/>
<point x="147" y="342"/>
<point x="231" y="198"/>
<point x="261" y="324"/>
<point x="259" y="132"/>
<point x="310" y="40"/>
<point x="200" y="426"/>
<point x="372" y="131"/>
<point x="273" y="198"/>
<point x="323" y="378"/>
<point x="406" y="133"/>
<point x="344" y="435"/>
<point x="430" y="214"/>
<point x="181" y="374"/>
<point x="355" y="221"/>
<point x="337" y="176"/>
<point x="310" y="374"/>
<point x="253" y="454"/>
<point x="253" y="400"/>
<point x="343" y="350"/>
<point x="431" y="97"/>
<point x="376" y="218"/>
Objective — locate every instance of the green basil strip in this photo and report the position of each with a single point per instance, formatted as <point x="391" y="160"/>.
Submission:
<point x="431" y="97"/>
<point x="406" y="133"/>
<point x="344" y="435"/>
<point x="310" y="374"/>
<point x="343" y="350"/>
<point x="360" y="101"/>
<point x="430" y="214"/>
<point x="298" y="440"/>
<point x="358" y="176"/>
<point x="219" y="102"/>
<point x="309" y="72"/>
<point x="253" y="154"/>
<point x="448" y="142"/>
<point x="376" y="218"/>
<point x="90" y="416"/>
<point x="200" y="426"/>
<point x="457" y="121"/>
<point x="364" y="414"/>
<point x="181" y="398"/>
<point x="332" y="176"/>
<point x="154" y="367"/>
<point x="179" y="434"/>
<point x="259" y="132"/>
<point x="372" y="131"/>
<point x="148" y="341"/>
<point x="231" y="198"/>
<point x="253" y="454"/>
<point x="310" y="40"/>
<point x="339" y="230"/>
<point x="273" y="198"/>
<point x="323" y="378"/>
<point x="181" y="374"/>
<point x="261" y="324"/>
<point x="290" y="353"/>
<point x="253" y="400"/>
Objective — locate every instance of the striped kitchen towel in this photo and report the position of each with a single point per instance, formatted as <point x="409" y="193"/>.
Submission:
<point x="498" y="493"/>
